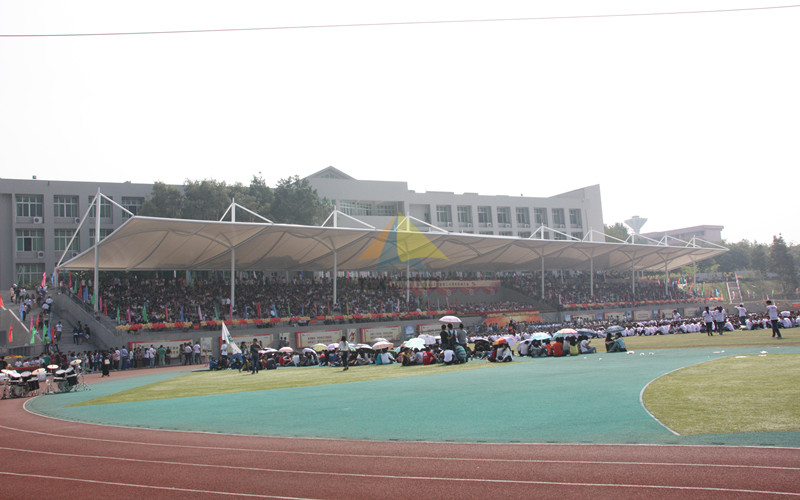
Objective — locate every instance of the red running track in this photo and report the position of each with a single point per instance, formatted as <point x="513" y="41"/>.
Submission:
<point x="45" y="456"/>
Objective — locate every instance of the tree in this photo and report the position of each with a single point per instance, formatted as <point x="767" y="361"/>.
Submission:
<point x="256" y="197"/>
<point x="782" y="263"/>
<point x="296" y="202"/>
<point x="736" y="258"/>
<point x="205" y="200"/>
<point x="758" y="258"/>
<point x="618" y="230"/>
<point x="164" y="201"/>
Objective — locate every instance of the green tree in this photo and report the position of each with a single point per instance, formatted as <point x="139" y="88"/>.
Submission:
<point x="296" y="202"/>
<point x="256" y="197"/>
<point x="164" y="201"/>
<point x="758" y="259"/>
<point x="618" y="230"/>
<point x="736" y="258"/>
<point x="782" y="263"/>
<point x="205" y="200"/>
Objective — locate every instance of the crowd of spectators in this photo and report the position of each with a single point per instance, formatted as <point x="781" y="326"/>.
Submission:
<point x="132" y="299"/>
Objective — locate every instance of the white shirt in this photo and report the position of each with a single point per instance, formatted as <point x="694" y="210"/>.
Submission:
<point x="772" y="311"/>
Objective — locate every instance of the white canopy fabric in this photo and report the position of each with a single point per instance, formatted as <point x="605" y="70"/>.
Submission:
<point x="150" y="243"/>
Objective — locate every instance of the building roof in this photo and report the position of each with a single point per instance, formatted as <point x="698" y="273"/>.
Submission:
<point x="151" y="243"/>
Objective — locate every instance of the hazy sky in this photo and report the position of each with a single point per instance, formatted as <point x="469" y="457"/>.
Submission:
<point x="684" y="119"/>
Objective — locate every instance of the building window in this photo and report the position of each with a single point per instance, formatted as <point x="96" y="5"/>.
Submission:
<point x="524" y="234"/>
<point x="103" y="234"/>
<point x="464" y="214"/>
<point x="505" y="233"/>
<point x="105" y="208"/>
<point x="29" y="274"/>
<point x="65" y="206"/>
<point x="559" y="236"/>
<point x="388" y="209"/>
<point x="30" y="205"/>
<point x="133" y="205"/>
<point x="558" y="217"/>
<point x="484" y="216"/>
<point x="575" y="217"/>
<point x="540" y="216"/>
<point x="486" y="232"/>
<point x="62" y="237"/>
<point x="577" y="234"/>
<point x="444" y="215"/>
<point x="504" y="216"/>
<point x="30" y="240"/>
<point x="523" y="217"/>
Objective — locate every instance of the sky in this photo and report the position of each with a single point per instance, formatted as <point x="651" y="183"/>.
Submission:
<point x="684" y="119"/>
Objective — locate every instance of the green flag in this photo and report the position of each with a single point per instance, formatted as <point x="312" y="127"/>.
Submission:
<point x="144" y="313"/>
<point x="117" y="315"/>
<point x="33" y="335"/>
<point x="216" y="313"/>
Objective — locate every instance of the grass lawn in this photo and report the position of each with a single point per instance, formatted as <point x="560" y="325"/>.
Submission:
<point x="229" y="381"/>
<point x="756" y="393"/>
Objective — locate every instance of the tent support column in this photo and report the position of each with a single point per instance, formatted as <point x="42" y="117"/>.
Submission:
<point x="591" y="277"/>
<point x="541" y="257"/>
<point x="335" y="263"/>
<point x="233" y="265"/>
<point x="96" y="303"/>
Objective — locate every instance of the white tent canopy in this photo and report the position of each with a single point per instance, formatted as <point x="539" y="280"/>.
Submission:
<point x="150" y="243"/>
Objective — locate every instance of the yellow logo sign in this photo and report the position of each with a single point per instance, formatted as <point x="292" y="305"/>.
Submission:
<point x="400" y="242"/>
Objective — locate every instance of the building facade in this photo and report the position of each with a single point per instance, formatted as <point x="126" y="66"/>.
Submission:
<point x="38" y="219"/>
<point x="572" y="214"/>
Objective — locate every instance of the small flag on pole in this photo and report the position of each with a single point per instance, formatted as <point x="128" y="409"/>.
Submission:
<point x="10" y="333"/>
<point x="226" y="337"/>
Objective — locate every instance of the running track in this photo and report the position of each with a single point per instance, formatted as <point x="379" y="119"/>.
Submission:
<point x="43" y="456"/>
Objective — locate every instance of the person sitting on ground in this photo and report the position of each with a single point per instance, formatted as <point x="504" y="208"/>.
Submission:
<point x="428" y="357"/>
<point x="386" y="357"/>
<point x="584" y="346"/>
<point x="270" y="363"/>
<point x="609" y="342"/>
<point x="618" y="345"/>
<point x="558" y="347"/>
<point x="461" y="353"/>
<point x="448" y="356"/>
<point x="503" y="354"/>
<point x="572" y="343"/>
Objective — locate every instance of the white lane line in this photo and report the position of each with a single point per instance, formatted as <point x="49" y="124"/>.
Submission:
<point x="404" y="457"/>
<point x="168" y="488"/>
<point x="406" y="478"/>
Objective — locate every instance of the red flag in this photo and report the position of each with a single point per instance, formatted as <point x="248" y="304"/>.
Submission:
<point x="44" y="280"/>
<point x="1" y="301"/>
<point x="258" y="309"/>
<point x="10" y="333"/>
<point x="166" y="313"/>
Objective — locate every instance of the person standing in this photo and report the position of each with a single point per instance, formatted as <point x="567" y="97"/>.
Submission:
<point x="740" y="309"/>
<point x="774" y="318"/>
<point x="719" y="319"/>
<point x="344" y="351"/>
<point x="254" y="356"/>
<point x="708" y="319"/>
<point x="461" y="338"/>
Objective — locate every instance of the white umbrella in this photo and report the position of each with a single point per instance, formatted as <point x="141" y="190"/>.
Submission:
<point x="308" y="349"/>
<point x="380" y="339"/>
<point x="382" y="345"/>
<point x="416" y="343"/>
<point x="450" y="319"/>
<point x="428" y="339"/>
<point x="540" y="336"/>
<point x="286" y="349"/>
